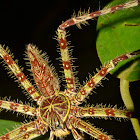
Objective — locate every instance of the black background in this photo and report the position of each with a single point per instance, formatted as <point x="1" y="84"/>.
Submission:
<point x="36" y="22"/>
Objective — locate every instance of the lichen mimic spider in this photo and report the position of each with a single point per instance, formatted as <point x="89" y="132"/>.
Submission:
<point x="59" y="110"/>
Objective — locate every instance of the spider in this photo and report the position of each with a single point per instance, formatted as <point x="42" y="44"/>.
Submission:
<point x="59" y="111"/>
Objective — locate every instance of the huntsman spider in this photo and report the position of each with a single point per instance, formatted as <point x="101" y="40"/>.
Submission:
<point x="59" y="111"/>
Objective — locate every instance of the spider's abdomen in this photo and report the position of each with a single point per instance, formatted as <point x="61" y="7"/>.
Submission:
<point x="54" y="110"/>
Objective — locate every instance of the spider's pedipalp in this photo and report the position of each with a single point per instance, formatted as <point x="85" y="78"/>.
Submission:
<point x="43" y="74"/>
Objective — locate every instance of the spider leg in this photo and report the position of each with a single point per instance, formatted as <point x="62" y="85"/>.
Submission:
<point x="66" y="60"/>
<point x="83" y="18"/>
<point x="19" y="131"/>
<point x="88" y="87"/>
<point x="99" y="112"/>
<point x="51" y="135"/>
<point x="19" y="74"/>
<point x="29" y="135"/>
<point x="75" y="134"/>
<point x="68" y="72"/>
<point x="25" y="109"/>
<point x="43" y="74"/>
<point x="87" y="128"/>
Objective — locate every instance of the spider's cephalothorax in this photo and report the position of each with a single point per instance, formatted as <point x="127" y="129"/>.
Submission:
<point x="59" y="111"/>
<point x="54" y="110"/>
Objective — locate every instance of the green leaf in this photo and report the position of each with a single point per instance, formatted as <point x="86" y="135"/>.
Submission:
<point x="119" y="33"/>
<point x="6" y="124"/>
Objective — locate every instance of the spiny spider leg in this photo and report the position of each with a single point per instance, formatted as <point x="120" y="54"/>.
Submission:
<point x="88" y="87"/>
<point x="25" y="109"/>
<point x="19" y="74"/>
<point x="66" y="60"/>
<point x="87" y="128"/>
<point x="83" y="18"/>
<point x="99" y="112"/>
<point x="19" y="131"/>
<point x="29" y="135"/>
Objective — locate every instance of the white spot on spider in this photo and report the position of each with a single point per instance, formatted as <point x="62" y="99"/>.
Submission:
<point x="68" y="81"/>
<point x="91" y="84"/>
<point x="67" y="66"/>
<point x="7" y="60"/>
<point x="66" y="24"/>
<point x="103" y="72"/>
<point x="62" y="44"/>
<point x="30" y="91"/>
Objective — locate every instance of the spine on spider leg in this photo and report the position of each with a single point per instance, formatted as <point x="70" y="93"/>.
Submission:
<point x="68" y="72"/>
<point x="18" y="131"/>
<point x="17" y="107"/>
<point x="87" y="16"/>
<point x="87" y="88"/>
<point x="89" y="129"/>
<point x="18" y="73"/>
<point x="100" y="112"/>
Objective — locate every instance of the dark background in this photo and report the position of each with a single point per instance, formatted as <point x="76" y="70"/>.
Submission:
<point x="36" y="22"/>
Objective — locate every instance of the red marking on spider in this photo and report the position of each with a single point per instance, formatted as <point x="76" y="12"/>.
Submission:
<point x="5" y="137"/>
<point x="1" y="102"/>
<point x="8" y="59"/>
<point x="110" y="112"/>
<point x="69" y="81"/>
<point x="66" y="65"/>
<point x="95" y="14"/>
<point x="26" y="108"/>
<point x="82" y="91"/>
<point x="26" y="136"/>
<point x="63" y="43"/>
<point x="102" y="137"/>
<point x="103" y="71"/>
<point x="23" y="129"/>
<point x="14" y="106"/>
<point x="120" y="58"/>
<point x="66" y="24"/>
<point x="91" y="83"/>
<point x="91" y="111"/>
<point x="31" y="90"/>
<point x="21" y="77"/>
<point x="115" y="8"/>
<point x="128" y="114"/>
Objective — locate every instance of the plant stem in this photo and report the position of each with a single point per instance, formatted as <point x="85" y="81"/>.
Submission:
<point x="125" y="93"/>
